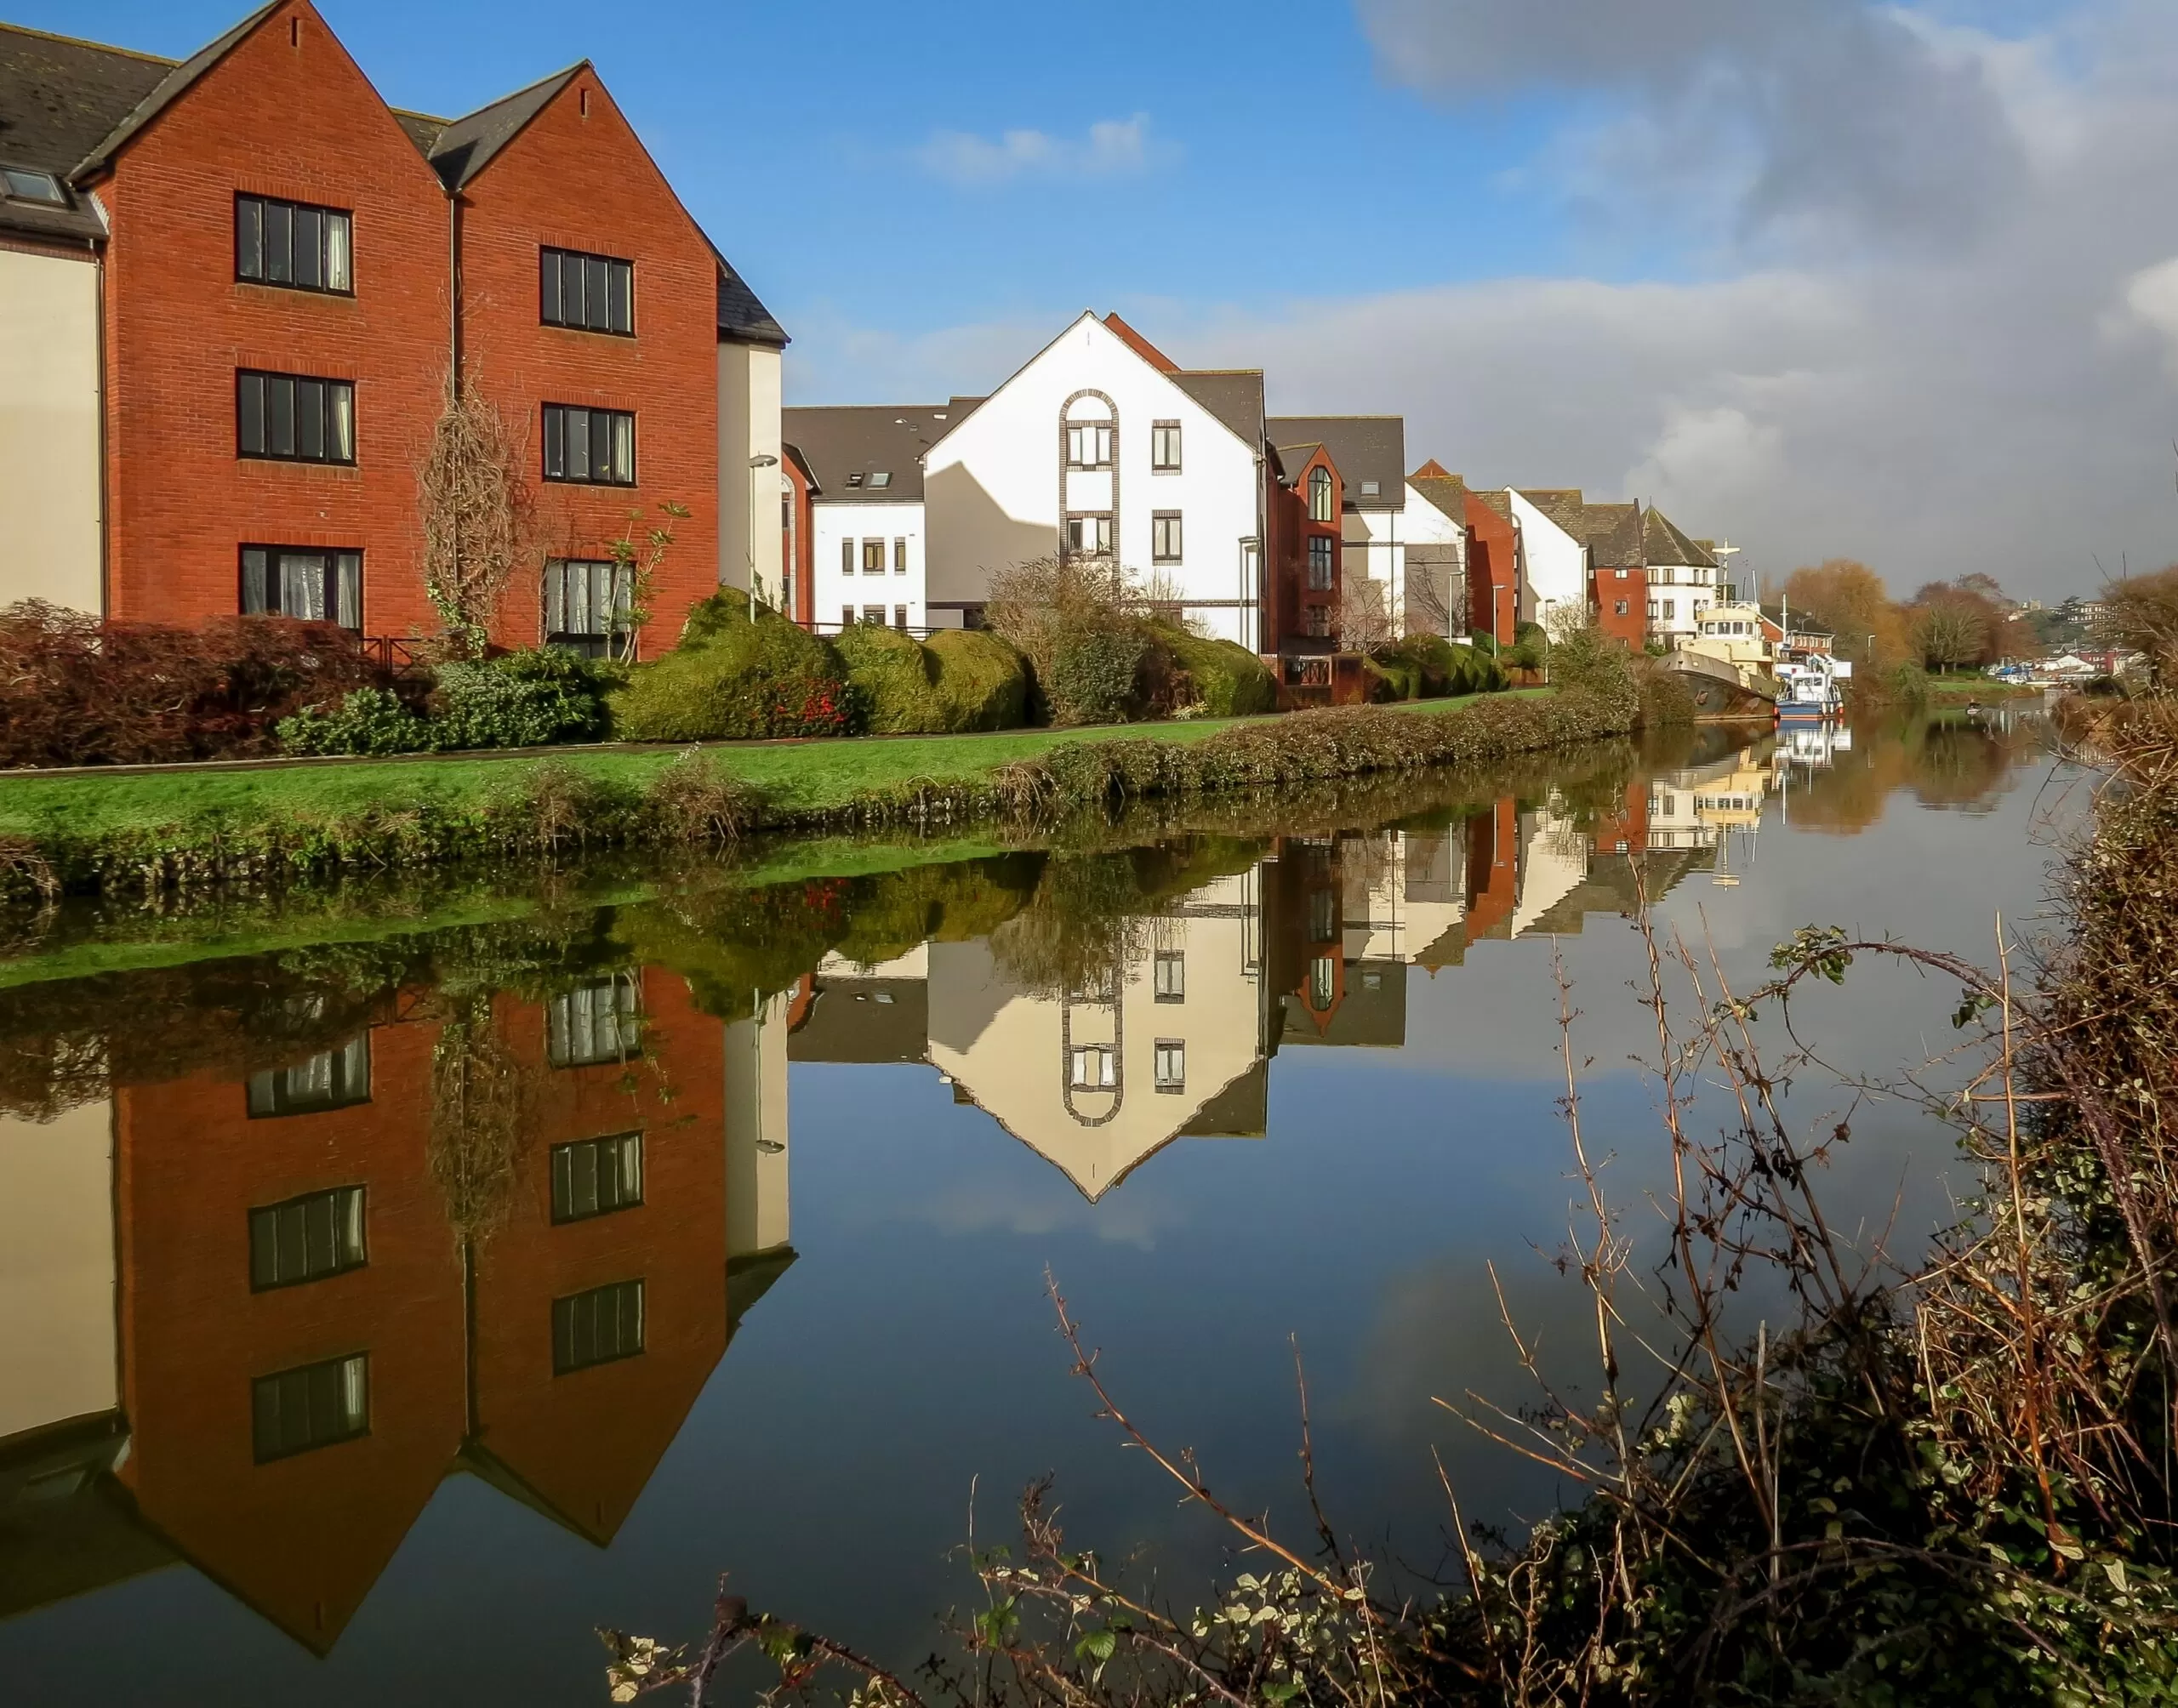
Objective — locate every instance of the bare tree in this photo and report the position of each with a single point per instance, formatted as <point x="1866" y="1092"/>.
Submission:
<point x="477" y="515"/>
<point x="1950" y="633"/>
<point x="1365" y="617"/>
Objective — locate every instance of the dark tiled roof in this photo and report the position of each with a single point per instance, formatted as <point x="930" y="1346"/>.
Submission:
<point x="1613" y="534"/>
<point x="424" y="129"/>
<point x="1234" y="395"/>
<point x="1447" y="493"/>
<point x="169" y="88"/>
<point x="1562" y="504"/>
<point x="60" y="98"/>
<point x="864" y="1020"/>
<point x="1662" y="542"/>
<point x="742" y="319"/>
<point x="1365" y="448"/>
<point x="1292" y="458"/>
<point x="465" y="145"/>
<point x="865" y="439"/>
<point x="1495" y="499"/>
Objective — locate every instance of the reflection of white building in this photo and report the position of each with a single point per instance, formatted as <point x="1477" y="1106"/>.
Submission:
<point x="1406" y="892"/>
<point x="59" y="1361"/>
<point x="1097" y="1081"/>
<point x="1554" y="862"/>
<point x="757" y="1208"/>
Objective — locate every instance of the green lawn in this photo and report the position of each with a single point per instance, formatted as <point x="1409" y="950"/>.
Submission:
<point x="796" y="774"/>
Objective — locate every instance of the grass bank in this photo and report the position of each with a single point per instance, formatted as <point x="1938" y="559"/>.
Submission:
<point x="155" y="832"/>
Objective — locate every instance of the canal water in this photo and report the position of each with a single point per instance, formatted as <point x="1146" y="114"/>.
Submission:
<point x="403" y="1292"/>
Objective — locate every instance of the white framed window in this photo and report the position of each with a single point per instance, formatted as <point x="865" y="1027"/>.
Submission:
<point x="1170" y="976"/>
<point x="1171" y="1065"/>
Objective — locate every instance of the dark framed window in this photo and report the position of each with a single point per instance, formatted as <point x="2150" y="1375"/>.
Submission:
<point x="1319" y="505"/>
<point x="594" y="447"/>
<point x="1323" y="916"/>
<point x="874" y="615"/>
<point x="1165" y="448"/>
<point x="1094" y="1068"/>
<point x="847" y="615"/>
<point x="597" y="1327"/>
<point x="1319" y="563"/>
<point x="1315" y="622"/>
<point x="292" y="418"/>
<point x="1618" y="607"/>
<point x="306" y="1239"/>
<point x="589" y="293"/>
<point x="316" y="1405"/>
<point x="331" y="1079"/>
<point x="899" y="617"/>
<point x="873" y="557"/>
<point x="1171" y="1065"/>
<point x="1323" y="983"/>
<point x="308" y="582"/>
<point x="1089" y="444"/>
<point x="846" y="557"/>
<point x="1091" y="534"/>
<point x="1165" y="537"/>
<point x="587" y="607"/>
<point x="899" y="557"/>
<point x="295" y="244"/>
<point x="593" y="1023"/>
<point x="597" y="1177"/>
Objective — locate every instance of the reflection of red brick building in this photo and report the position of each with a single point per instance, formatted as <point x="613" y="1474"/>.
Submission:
<point x="297" y="1380"/>
<point x="1493" y="566"/>
<point x="1304" y="928"/>
<point x="1493" y="870"/>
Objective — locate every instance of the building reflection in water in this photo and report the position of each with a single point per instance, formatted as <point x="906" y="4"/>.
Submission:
<point x="253" y="1325"/>
<point x="250" y="1318"/>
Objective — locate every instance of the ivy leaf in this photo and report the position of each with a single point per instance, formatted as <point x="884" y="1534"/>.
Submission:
<point x="1097" y="1646"/>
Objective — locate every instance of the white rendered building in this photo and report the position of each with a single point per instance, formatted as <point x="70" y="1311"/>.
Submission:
<point x="868" y="545"/>
<point x="1553" y="551"/>
<point x="1101" y="447"/>
<point x="1682" y="580"/>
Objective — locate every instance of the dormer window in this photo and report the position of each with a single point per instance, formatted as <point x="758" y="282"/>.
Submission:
<point x="33" y="186"/>
<point x="882" y="477"/>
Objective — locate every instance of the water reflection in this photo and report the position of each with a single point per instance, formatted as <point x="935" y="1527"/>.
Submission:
<point x="287" y="1242"/>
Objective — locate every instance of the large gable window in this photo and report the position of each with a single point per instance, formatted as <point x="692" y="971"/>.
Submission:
<point x="1319" y="510"/>
<point x="292" y="244"/>
<point x="1089" y="444"/>
<point x="589" y="293"/>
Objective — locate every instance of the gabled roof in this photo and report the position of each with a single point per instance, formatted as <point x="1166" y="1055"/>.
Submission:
<point x="1663" y="542"/>
<point x="465" y="145"/>
<point x="1562" y="504"/>
<point x="169" y="88"/>
<point x="1613" y="534"/>
<point x="1495" y="499"/>
<point x="1141" y="346"/>
<point x="1290" y="459"/>
<point x="1365" y="448"/>
<point x="1447" y="493"/>
<point x="856" y="440"/>
<point x="60" y="98"/>
<point x="742" y="319"/>
<point x="1234" y="395"/>
<point x="1433" y="470"/>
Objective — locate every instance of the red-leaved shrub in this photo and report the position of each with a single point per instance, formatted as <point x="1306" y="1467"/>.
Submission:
<point x="76" y="691"/>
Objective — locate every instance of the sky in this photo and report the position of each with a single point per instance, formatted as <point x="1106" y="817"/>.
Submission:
<point x="1830" y="279"/>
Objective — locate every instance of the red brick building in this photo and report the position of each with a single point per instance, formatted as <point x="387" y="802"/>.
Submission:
<point x="291" y="274"/>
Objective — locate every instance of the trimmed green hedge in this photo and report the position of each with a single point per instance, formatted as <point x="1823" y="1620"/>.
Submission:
<point x="1226" y="681"/>
<point x="732" y="676"/>
<point x="1428" y="667"/>
<point x="960" y="680"/>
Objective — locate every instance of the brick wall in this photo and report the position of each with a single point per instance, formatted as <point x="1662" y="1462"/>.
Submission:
<point x="577" y="178"/>
<point x="1612" y="588"/>
<point x="1492" y="572"/>
<point x="286" y="113"/>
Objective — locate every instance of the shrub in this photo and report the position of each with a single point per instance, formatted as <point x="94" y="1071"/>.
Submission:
<point x="364" y="720"/>
<point x="1530" y="647"/>
<point x="1092" y="676"/>
<point x="959" y="680"/>
<point x="694" y="800"/>
<point x="76" y="691"/>
<point x="530" y="698"/>
<point x="731" y="677"/>
<point x="1223" y="679"/>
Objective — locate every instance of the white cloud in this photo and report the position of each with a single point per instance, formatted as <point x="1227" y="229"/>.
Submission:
<point x="1111" y="148"/>
<point x="2152" y="297"/>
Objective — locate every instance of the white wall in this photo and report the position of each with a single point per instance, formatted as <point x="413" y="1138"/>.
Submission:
<point x="1425" y="525"/>
<point x="757" y="1207"/>
<point x="1554" y="565"/>
<point x="1689" y="592"/>
<point x="993" y="486"/>
<point x="50" y="487"/>
<point x="749" y="536"/>
<point x="57" y="1357"/>
<point x="832" y="524"/>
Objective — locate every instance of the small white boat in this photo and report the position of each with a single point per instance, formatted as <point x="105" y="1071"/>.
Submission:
<point x="1811" y="691"/>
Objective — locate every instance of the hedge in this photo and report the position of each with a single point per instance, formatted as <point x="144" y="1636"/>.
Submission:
<point x="1225" y="680"/>
<point x="960" y="680"/>
<point x="734" y="676"/>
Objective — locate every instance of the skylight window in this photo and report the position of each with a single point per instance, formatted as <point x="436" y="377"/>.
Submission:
<point x="854" y="480"/>
<point x="883" y="477"/>
<point x="34" y="186"/>
<point x="1369" y="489"/>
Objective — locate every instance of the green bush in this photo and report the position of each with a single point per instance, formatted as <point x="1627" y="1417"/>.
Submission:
<point x="1530" y="647"/>
<point x="983" y="680"/>
<point x="533" y="699"/>
<point x="960" y="681"/>
<point x="733" y="678"/>
<point x="1223" y="678"/>
<point x="365" y="721"/>
<point x="1092" y="676"/>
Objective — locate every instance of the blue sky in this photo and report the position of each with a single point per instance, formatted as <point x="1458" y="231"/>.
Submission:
<point x="1833" y="278"/>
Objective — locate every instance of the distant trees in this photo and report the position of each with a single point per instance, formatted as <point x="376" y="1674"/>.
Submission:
<point x="2140" y="614"/>
<point x="1958" y="624"/>
<point x="1848" y="600"/>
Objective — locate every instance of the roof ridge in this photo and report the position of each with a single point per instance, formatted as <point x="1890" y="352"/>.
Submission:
<point x="86" y="42"/>
<point x="498" y="101"/>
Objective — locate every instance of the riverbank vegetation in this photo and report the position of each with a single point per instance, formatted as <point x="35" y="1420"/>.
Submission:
<point x="1804" y="1471"/>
